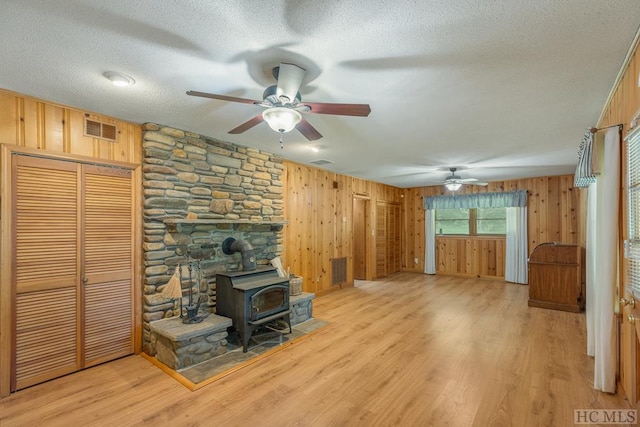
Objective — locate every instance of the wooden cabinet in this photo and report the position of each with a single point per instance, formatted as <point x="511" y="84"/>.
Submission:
<point x="556" y="277"/>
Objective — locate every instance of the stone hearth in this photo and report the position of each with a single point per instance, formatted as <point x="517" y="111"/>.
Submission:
<point x="197" y="192"/>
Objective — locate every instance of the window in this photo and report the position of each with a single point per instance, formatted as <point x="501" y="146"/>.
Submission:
<point x="452" y="221"/>
<point x="491" y="221"/>
<point x="471" y="222"/>
<point x="632" y="244"/>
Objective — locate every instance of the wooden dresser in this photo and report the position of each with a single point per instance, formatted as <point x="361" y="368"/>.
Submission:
<point x="556" y="277"/>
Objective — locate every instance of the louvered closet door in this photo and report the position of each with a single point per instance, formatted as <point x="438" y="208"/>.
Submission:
<point x="107" y="275"/>
<point x="45" y="269"/>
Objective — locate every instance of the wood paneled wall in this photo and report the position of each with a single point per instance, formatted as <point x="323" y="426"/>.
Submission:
<point x="622" y="107"/>
<point x="32" y="123"/>
<point x="34" y="126"/>
<point x="319" y="211"/>
<point x="553" y="209"/>
<point x="476" y="256"/>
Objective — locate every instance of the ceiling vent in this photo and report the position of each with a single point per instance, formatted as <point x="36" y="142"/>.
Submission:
<point x="320" y="162"/>
<point x="97" y="129"/>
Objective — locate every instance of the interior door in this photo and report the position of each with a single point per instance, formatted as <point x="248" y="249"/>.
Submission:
<point x="73" y="267"/>
<point x="359" y="239"/>
<point x="45" y="270"/>
<point x="388" y="228"/>
<point x="630" y="301"/>
<point x="107" y="264"/>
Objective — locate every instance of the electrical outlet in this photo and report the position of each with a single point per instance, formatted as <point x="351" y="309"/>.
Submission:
<point x="415" y="260"/>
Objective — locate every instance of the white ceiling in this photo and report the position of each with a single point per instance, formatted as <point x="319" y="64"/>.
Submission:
<point x="502" y="88"/>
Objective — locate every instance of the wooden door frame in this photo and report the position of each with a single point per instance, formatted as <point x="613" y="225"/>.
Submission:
<point x="367" y="235"/>
<point x="7" y="199"/>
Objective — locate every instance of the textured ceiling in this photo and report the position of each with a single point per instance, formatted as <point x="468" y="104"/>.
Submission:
<point x="503" y="89"/>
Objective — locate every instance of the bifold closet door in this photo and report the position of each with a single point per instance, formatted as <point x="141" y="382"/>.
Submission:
<point x="73" y="267"/>
<point x="45" y="269"/>
<point x="107" y="267"/>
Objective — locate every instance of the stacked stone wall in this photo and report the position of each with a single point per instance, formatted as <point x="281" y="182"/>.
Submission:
<point x="187" y="176"/>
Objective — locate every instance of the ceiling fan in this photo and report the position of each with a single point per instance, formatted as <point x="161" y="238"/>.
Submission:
<point x="283" y="105"/>
<point x="453" y="182"/>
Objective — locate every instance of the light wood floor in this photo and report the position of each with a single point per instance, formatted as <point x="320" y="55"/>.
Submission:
<point x="409" y="350"/>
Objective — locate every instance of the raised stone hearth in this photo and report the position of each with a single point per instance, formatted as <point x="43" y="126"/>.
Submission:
<point x="301" y="307"/>
<point x="179" y="345"/>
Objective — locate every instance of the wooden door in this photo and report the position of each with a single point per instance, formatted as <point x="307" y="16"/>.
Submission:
<point x="359" y="239"/>
<point x="46" y="225"/>
<point x="630" y="287"/>
<point x="73" y="267"/>
<point x="388" y="245"/>
<point x="107" y="264"/>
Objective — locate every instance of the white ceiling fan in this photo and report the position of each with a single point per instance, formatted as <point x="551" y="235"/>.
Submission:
<point x="453" y="182"/>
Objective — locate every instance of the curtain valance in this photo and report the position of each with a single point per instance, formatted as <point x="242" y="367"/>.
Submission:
<point x="507" y="199"/>
<point x="585" y="174"/>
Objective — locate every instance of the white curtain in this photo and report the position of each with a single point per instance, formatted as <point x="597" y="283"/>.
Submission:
<point x="602" y="261"/>
<point x="516" y="246"/>
<point x="430" y="241"/>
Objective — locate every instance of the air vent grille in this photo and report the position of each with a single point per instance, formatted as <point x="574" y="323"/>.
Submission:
<point x="101" y="130"/>
<point x="320" y="162"/>
<point x="338" y="270"/>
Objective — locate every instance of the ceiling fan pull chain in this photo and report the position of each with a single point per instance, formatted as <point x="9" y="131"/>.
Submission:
<point x="281" y="141"/>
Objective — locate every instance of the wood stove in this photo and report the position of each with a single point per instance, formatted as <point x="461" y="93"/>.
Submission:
<point x="252" y="299"/>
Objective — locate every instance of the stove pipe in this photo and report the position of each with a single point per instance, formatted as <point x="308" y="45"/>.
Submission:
<point x="231" y="246"/>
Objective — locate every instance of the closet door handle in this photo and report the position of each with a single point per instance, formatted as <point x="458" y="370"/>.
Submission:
<point x="631" y="318"/>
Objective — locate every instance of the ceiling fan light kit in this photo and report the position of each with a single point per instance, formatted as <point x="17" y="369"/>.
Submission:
<point x="281" y="119"/>
<point x="453" y="186"/>
<point x="284" y="105"/>
<point x="453" y="182"/>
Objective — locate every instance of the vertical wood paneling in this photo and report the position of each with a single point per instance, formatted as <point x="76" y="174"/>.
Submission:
<point x="553" y="210"/>
<point x="32" y="123"/>
<point x="319" y="212"/>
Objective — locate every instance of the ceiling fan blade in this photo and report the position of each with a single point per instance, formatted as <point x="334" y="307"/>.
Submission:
<point x="222" y="97"/>
<point x="248" y="124"/>
<point x="483" y="184"/>
<point x="308" y="131"/>
<point x="469" y="179"/>
<point x="360" y="110"/>
<point x="289" y="80"/>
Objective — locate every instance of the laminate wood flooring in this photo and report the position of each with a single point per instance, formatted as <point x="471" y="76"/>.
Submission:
<point x="408" y="350"/>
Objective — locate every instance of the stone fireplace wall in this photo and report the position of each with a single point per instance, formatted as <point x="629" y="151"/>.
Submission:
<point x="197" y="192"/>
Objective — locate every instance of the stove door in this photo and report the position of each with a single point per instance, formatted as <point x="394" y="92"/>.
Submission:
<point x="270" y="300"/>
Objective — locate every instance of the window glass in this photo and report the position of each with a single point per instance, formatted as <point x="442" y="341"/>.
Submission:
<point x="491" y="220"/>
<point x="452" y="221"/>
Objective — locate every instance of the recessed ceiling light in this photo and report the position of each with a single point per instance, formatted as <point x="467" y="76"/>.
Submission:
<point x="119" y="79"/>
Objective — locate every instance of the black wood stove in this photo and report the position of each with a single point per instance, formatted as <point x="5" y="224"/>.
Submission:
<point x="252" y="299"/>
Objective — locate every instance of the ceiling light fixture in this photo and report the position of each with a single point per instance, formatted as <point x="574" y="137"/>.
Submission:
<point x="315" y="149"/>
<point x="281" y="119"/>
<point x="119" y="79"/>
<point x="453" y="186"/>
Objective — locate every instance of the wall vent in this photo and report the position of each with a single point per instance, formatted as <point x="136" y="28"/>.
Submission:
<point x="338" y="270"/>
<point x="320" y="162"/>
<point x="97" y="129"/>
